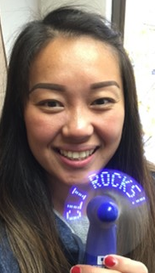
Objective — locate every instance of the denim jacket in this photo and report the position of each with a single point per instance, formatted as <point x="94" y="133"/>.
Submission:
<point x="71" y="244"/>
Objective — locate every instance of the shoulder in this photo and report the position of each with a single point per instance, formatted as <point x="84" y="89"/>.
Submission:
<point x="153" y="175"/>
<point x="8" y="263"/>
<point x="151" y="168"/>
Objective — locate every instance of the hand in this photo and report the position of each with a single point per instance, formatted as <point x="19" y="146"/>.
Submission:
<point x="114" y="264"/>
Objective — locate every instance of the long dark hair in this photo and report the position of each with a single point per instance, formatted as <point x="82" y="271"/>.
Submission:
<point x="25" y="206"/>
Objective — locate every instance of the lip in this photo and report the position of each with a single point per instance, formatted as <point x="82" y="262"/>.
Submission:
<point x="77" y="163"/>
<point x="77" y="148"/>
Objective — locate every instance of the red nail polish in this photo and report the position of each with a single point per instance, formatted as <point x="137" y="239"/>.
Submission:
<point x="110" y="261"/>
<point x="75" y="269"/>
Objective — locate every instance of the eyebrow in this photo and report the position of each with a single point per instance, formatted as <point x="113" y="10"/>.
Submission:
<point x="99" y="85"/>
<point x="50" y="86"/>
<point x="59" y="87"/>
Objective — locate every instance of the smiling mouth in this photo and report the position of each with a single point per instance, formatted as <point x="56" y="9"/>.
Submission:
<point x="77" y="155"/>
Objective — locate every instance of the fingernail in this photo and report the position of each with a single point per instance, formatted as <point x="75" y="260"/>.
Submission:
<point x="75" y="269"/>
<point x="109" y="261"/>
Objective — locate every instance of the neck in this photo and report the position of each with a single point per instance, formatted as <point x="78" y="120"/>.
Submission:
<point x="60" y="194"/>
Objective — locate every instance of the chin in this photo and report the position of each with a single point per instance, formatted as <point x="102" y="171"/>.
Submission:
<point x="74" y="181"/>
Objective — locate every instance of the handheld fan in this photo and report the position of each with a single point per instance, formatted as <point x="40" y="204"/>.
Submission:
<point x="107" y="207"/>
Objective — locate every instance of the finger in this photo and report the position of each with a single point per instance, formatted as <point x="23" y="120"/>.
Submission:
<point x="124" y="265"/>
<point x="90" y="269"/>
<point x="117" y="264"/>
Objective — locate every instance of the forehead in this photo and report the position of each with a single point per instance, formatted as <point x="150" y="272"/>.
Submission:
<point x="90" y="46"/>
<point x="83" y="54"/>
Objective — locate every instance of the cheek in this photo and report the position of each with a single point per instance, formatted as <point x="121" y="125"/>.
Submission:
<point x="41" y="129"/>
<point x="112" y="127"/>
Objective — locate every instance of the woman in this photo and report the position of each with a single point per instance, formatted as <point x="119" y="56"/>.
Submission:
<point x="70" y="108"/>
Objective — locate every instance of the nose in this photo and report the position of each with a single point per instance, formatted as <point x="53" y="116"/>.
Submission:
<point x="78" y="125"/>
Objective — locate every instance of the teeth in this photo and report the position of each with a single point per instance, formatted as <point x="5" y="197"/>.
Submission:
<point x="76" y="155"/>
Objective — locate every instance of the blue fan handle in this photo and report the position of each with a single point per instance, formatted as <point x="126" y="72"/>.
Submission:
<point x="102" y="213"/>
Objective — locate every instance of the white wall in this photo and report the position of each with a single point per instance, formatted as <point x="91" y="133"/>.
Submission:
<point x="101" y="6"/>
<point x="15" y="13"/>
<point x="2" y="71"/>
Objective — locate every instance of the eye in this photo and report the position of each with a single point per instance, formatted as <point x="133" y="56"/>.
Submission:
<point x="51" y="105"/>
<point x="103" y="101"/>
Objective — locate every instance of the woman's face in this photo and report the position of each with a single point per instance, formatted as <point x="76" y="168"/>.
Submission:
<point x="75" y="112"/>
